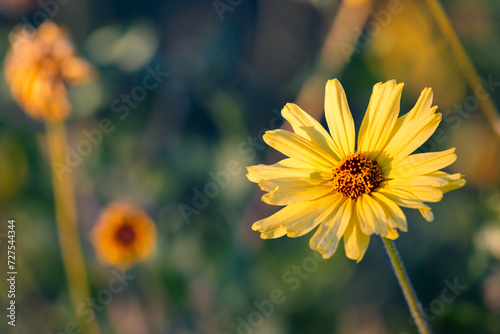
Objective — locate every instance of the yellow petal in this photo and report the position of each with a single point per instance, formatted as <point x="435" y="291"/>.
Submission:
<point x="402" y="198"/>
<point x="355" y="241"/>
<point x="294" y="163"/>
<point x="412" y="197"/>
<point x="453" y="181"/>
<point x="327" y="237"/>
<point x="410" y="137"/>
<point x="421" y="108"/>
<point x="297" y="216"/>
<point x="270" y="227"/>
<point x="423" y="105"/>
<point x="422" y="163"/>
<point x="371" y="215"/>
<point x="422" y="193"/>
<point x="289" y="182"/>
<point x="307" y="127"/>
<point x="299" y="148"/>
<point x="396" y="217"/>
<point x="420" y="180"/>
<point x="392" y="234"/>
<point x="292" y="190"/>
<point x="273" y="232"/>
<point x="427" y="214"/>
<point x="265" y="172"/>
<point x="380" y="117"/>
<point x="327" y="207"/>
<point x="339" y="118"/>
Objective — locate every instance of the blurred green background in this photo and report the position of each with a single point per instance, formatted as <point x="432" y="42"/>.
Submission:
<point x="232" y="65"/>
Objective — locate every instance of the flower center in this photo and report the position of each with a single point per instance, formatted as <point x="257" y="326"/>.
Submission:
<point x="125" y="235"/>
<point x="356" y="174"/>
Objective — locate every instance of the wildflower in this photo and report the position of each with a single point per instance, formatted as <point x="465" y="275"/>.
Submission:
<point x="38" y="66"/>
<point x="347" y="192"/>
<point x="124" y="234"/>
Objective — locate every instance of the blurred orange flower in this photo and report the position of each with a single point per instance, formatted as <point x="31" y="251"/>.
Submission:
<point x="124" y="235"/>
<point x="39" y="65"/>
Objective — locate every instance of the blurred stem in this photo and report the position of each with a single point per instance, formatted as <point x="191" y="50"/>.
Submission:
<point x="64" y="199"/>
<point x="465" y="64"/>
<point x="416" y="309"/>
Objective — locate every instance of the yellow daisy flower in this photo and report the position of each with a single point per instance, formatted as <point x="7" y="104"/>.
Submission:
<point x="124" y="234"/>
<point x="347" y="191"/>
<point x="38" y="67"/>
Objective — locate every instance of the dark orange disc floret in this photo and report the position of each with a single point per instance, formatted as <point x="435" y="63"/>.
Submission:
<point x="356" y="174"/>
<point x="125" y="234"/>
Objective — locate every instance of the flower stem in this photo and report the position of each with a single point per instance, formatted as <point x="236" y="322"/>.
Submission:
<point x="64" y="201"/>
<point x="416" y="309"/>
<point x="487" y="106"/>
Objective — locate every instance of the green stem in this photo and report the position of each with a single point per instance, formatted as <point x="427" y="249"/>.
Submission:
<point x="416" y="309"/>
<point x="67" y="228"/>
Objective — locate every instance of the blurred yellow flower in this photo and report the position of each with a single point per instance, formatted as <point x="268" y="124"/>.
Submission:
<point x="406" y="45"/>
<point x="38" y="66"/>
<point x="124" y="234"/>
<point x="347" y="192"/>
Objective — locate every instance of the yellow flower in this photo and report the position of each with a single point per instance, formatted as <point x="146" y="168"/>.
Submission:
<point x="124" y="235"/>
<point x="350" y="192"/>
<point x="38" y="66"/>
